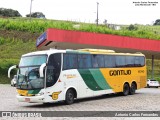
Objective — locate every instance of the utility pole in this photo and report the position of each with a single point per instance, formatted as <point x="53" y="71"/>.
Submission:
<point x="30" y="9"/>
<point x="97" y="13"/>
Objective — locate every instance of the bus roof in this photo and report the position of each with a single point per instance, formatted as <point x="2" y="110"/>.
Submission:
<point x="45" y="52"/>
<point x="83" y="51"/>
<point x="102" y="51"/>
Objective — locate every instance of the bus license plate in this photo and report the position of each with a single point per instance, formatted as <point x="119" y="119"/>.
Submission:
<point x="27" y="99"/>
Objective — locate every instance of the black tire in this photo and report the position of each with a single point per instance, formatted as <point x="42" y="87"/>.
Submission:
<point x="132" y="89"/>
<point x="148" y="86"/>
<point x="126" y="89"/>
<point x="69" y="97"/>
<point x="47" y="103"/>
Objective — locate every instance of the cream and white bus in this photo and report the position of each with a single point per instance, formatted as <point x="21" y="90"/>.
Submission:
<point x="65" y="75"/>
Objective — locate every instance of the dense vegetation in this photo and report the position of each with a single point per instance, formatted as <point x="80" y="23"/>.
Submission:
<point x="156" y="69"/>
<point x="39" y="26"/>
<point x="10" y="52"/>
<point x="13" y="43"/>
<point x="17" y="37"/>
<point x="157" y="22"/>
<point x="36" y="15"/>
<point x="9" y="13"/>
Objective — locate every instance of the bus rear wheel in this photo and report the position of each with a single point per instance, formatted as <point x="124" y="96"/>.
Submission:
<point x="69" y="97"/>
<point x="125" y="89"/>
<point x="133" y="89"/>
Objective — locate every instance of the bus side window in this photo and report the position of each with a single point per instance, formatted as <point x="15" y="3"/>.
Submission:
<point x="70" y="61"/>
<point x="120" y="61"/>
<point x="110" y="61"/>
<point x="98" y="61"/>
<point x="142" y="61"/>
<point x="84" y="61"/>
<point x="139" y="61"/>
<point x="65" y="61"/>
<point x="130" y="61"/>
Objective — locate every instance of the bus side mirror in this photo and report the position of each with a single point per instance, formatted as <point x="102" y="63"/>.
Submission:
<point x="9" y="70"/>
<point x="41" y="69"/>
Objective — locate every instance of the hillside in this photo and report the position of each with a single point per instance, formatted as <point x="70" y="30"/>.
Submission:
<point x="17" y="37"/>
<point x="39" y="26"/>
<point x="11" y="49"/>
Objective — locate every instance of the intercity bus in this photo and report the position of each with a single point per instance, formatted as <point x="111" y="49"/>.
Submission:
<point x="65" y="75"/>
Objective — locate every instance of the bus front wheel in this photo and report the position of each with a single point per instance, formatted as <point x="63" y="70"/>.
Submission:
<point x="125" y="89"/>
<point x="69" y="97"/>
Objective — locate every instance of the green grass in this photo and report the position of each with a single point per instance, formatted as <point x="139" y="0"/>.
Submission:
<point x="13" y="48"/>
<point x="4" y="65"/>
<point x="156" y="69"/>
<point x="39" y="26"/>
<point x="10" y="54"/>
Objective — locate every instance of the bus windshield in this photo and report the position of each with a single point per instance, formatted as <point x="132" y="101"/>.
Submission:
<point x="28" y="73"/>
<point x="33" y="60"/>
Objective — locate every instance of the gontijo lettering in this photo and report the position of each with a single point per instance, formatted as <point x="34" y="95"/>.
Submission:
<point x="119" y="72"/>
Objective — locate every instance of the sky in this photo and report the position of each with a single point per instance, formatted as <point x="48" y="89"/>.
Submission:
<point x="114" y="11"/>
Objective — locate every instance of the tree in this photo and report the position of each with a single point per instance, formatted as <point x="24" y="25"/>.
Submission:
<point x="9" y="13"/>
<point x="157" y="22"/>
<point x="36" y="15"/>
<point x="132" y="27"/>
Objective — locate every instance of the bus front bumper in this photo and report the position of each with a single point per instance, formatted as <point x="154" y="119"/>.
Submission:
<point x="31" y="99"/>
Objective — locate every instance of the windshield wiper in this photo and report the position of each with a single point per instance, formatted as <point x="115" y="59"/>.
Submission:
<point x="30" y="84"/>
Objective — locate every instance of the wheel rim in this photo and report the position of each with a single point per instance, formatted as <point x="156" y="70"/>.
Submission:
<point x="126" y="89"/>
<point x="133" y="88"/>
<point x="70" y="97"/>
